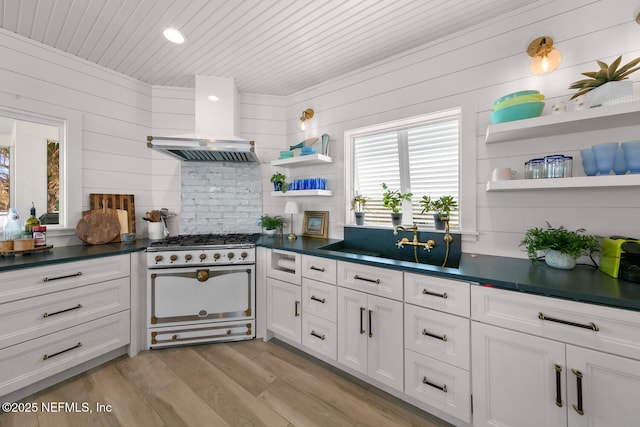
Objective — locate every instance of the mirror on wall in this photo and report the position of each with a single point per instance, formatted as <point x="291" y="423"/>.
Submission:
<point x="30" y="168"/>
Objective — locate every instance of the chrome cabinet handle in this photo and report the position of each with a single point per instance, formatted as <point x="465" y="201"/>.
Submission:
<point x="370" y="330"/>
<point x="296" y="312"/>
<point x="320" y="269"/>
<point x="320" y="300"/>
<point x="443" y="337"/>
<point x="376" y="281"/>
<point x="591" y="325"/>
<point x="442" y="387"/>
<point x="49" y="356"/>
<point x="362" y="331"/>
<point x="317" y="335"/>
<point x="435" y="294"/>
<point x="578" y="407"/>
<point x="558" y="369"/>
<point x="49" y="279"/>
<point x="62" y="311"/>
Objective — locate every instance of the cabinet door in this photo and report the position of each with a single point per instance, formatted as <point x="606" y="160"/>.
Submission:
<point x="514" y="379"/>
<point x="319" y="299"/>
<point x="352" y="329"/>
<point x="385" y="346"/>
<point x="283" y="309"/>
<point x="608" y="387"/>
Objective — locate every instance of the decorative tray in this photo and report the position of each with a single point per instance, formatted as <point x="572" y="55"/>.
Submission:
<point x="25" y="251"/>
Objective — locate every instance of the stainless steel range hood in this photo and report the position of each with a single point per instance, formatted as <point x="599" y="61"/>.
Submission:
<point x="215" y="139"/>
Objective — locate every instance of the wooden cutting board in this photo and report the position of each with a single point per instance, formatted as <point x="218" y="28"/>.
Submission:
<point x="124" y="202"/>
<point x="99" y="226"/>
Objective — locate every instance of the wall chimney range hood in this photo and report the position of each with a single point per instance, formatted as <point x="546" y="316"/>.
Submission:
<point x="215" y="139"/>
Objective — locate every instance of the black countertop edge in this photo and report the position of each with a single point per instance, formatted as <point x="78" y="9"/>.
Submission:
<point x="61" y="254"/>
<point x="583" y="283"/>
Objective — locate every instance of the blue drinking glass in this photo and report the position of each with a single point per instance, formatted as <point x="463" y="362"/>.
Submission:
<point x="605" y="156"/>
<point x="631" y="151"/>
<point x="589" y="162"/>
<point x="620" y="165"/>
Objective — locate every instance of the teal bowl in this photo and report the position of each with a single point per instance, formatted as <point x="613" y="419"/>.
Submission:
<point x="521" y="111"/>
<point x="514" y="94"/>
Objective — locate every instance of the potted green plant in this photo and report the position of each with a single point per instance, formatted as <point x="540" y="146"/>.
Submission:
<point x="441" y="209"/>
<point x="562" y="247"/>
<point x="602" y="79"/>
<point x="358" y="204"/>
<point x="278" y="182"/>
<point x="392" y="199"/>
<point x="271" y="224"/>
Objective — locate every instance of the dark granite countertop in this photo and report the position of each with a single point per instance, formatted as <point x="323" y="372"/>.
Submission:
<point x="584" y="283"/>
<point x="69" y="253"/>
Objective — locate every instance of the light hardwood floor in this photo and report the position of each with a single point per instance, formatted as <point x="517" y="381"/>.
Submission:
<point x="248" y="383"/>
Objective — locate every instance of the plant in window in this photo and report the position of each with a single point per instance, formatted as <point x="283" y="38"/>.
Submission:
<point x="358" y="204"/>
<point x="441" y="209"/>
<point x="392" y="199"/>
<point x="278" y="182"/>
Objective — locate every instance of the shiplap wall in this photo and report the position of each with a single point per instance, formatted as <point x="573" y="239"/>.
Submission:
<point x="115" y="111"/>
<point x="480" y="64"/>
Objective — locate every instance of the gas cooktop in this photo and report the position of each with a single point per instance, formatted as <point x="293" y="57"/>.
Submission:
<point x="206" y="240"/>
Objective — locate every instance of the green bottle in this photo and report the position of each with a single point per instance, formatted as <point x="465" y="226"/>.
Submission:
<point x="31" y="221"/>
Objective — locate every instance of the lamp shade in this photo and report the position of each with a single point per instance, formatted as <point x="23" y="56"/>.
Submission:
<point x="291" y="208"/>
<point x="544" y="64"/>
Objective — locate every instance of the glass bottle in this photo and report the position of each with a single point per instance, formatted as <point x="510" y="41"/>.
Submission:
<point x="31" y="221"/>
<point x="12" y="230"/>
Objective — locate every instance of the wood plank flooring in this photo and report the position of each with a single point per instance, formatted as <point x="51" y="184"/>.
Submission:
<point x="248" y="383"/>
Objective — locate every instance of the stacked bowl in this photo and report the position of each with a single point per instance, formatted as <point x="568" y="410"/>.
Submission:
<point x="517" y="106"/>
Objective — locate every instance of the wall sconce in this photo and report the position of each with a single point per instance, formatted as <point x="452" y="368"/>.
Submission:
<point x="544" y="57"/>
<point x="306" y="115"/>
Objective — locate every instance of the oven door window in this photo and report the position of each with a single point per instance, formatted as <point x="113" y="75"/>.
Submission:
<point x="183" y="295"/>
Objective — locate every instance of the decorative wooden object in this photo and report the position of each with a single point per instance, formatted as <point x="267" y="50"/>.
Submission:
<point x="119" y="202"/>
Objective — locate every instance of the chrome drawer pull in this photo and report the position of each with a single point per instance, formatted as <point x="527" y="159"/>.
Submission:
<point x="578" y="407"/>
<point x="591" y="325"/>
<point x="62" y="311"/>
<point x="320" y="269"/>
<point x="317" y="336"/>
<point x="439" y="387"/>
<point x="362" y="331"/>
<point x="443" y="337"/>
<point x="47" y="279"/>
<point x="558" y="369"/>
<point x="442" y="295"/>
<point x="315" y="298"/>
<point x="49" y="356"/>
<point x="296" y="311"/>
<point x="377" y="281"/>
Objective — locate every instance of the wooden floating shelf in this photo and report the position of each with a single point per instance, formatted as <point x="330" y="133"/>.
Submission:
<point x="299" y="193"/>
<point x="563" y="183"/>
<point x="302" y="161"/>
<point x="590" y="119"/>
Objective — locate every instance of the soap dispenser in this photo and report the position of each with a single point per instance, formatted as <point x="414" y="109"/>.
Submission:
<point x="12" y="229"/>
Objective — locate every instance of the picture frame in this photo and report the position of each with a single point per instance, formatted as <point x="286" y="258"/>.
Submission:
<point x="315" y="224"/>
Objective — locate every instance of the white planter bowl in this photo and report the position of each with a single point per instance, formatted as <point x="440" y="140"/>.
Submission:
<point x="559" y="260"/>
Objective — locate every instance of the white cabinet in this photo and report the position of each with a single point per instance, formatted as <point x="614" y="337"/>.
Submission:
<point x="370" y="336"/>
<point x="284" y="309"/>
<point x="373" y="280"/>
<point x="558" y="356"/>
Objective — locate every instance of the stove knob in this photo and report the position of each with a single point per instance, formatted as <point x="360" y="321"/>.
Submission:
<point x="158" y="258"/>
<point x="202" y="257"/>
<point x="188" y="257"/>
<point x="230" y="255"/>
<point x="216" y="256"/>
<point x="174" y="258"/>
<point x="244" y="255"/>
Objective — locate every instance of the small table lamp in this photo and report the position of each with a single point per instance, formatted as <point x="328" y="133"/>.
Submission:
<point x="291" y="208"/>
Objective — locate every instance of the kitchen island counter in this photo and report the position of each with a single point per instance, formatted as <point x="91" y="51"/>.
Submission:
<point x="584" y="283"/>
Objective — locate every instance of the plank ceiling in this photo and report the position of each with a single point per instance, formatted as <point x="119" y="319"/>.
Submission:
<point x="273" y="47"/>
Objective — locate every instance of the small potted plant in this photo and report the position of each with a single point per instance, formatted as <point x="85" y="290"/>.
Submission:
<point x="278" y="182"/>
<point x="441" y="209"/>
<point x="392" y="199"/>
<point x="562" y="247"/>
<point x="602" y="79"/>
<point x="358" y="204"/>
<point x="271" y="224"/>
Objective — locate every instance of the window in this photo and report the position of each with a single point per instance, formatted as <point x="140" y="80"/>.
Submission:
<point x="419" y="156"/>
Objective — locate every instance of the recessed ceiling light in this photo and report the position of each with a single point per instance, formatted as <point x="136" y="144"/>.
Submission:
<point x="213" y="98"/>
<point x="174" y="35"/>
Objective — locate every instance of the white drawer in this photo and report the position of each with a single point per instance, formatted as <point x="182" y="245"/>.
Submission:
<point x="438" y="384"/>
<point x="618" y="330"/>
<point x="446" y="295"/>
<point x="284" y="265"/>
<point x="320" y="299"/>
<point x="439" y="335"/>
<point x="32" y="361"/>
<point x="33" y="317"/>
<point x="29" y="282"/>
<point x="210" y="332"/>
<point x="373" y="280"/>
<point x="322" y="269"/>
<point x="320" y="335"/>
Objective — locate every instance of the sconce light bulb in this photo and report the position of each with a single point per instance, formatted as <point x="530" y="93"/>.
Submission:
<point x="303" y="125"/>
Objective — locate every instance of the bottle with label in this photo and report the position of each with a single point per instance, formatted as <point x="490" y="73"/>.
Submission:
<point x="32" y="220"/>
<point x="12" y="229"/>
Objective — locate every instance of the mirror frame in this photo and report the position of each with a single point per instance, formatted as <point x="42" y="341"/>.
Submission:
<point x="70" y="122"/>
